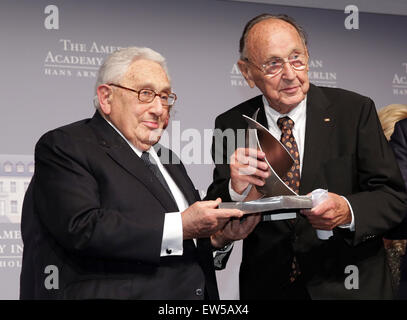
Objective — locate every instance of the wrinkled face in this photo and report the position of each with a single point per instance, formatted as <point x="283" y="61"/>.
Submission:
<point x="141" y="123"/>
<point x="270" y="39"/>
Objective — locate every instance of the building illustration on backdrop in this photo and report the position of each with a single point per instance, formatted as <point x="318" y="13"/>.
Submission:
<point x="15" y="175"/>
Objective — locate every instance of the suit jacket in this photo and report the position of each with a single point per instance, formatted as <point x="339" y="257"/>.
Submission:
<point x="398" y="142"/>
<point x="348" y="155"/>
<point x="95" y="212"/>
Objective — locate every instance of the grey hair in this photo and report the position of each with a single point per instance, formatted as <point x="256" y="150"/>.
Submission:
<point x="266" y="16"/>
<point x="116" y="65"/>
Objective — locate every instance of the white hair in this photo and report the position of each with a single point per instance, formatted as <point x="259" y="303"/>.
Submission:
<point x="116" y="65"/>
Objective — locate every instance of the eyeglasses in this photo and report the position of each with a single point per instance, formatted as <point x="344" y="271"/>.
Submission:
<point x="148" y="95"/>
<point x="275" y="65"/>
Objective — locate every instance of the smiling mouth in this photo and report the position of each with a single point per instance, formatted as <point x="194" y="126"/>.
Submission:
<point x="290" y="89"/>
<point x="151" y="124"/>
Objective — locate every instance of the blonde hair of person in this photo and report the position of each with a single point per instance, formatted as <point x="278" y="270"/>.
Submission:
<point x="389" y="115"/>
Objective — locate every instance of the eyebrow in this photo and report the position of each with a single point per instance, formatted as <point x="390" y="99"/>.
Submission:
<point x="277" y="57"/>
<point x="149" y="85"/>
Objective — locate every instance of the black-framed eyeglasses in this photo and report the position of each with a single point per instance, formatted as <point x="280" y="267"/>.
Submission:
<point x="297" y="61"/>
<point x="148" y="95"/>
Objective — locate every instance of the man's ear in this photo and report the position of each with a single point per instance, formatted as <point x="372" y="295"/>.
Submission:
<point x="105" y="96"/>
<point x="246" y="73"/>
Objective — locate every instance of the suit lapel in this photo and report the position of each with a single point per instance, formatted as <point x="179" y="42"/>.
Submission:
<point x="253" y="105"/>
<point x="261" y="117"/>
<point x="174" y="167"/>
<point x="318" y="130"/>
<point x="179" y="178"/>
<point x="120" y="152"/>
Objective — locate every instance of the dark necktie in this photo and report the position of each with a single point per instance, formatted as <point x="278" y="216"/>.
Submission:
<point x="292" y="178"/>
<point x="152" y="165"/>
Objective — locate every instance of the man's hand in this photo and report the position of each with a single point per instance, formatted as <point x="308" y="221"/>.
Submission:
<point x="203" y="219"/>
<point x="235" y="229"/>
<point x="247" y="166"/>
<point x="329" y="214"/>
<point x="253" y="194"/>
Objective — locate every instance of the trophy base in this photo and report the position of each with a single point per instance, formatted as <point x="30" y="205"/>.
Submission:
<point x="283" y="206"/>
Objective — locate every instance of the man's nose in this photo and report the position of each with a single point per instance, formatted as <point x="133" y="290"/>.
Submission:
<point x="288" y="71"/>
<point x="157" y="106"/>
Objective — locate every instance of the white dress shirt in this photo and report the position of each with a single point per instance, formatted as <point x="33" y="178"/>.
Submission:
<point x="299" y="116"/>
<point x="172" y="241"/>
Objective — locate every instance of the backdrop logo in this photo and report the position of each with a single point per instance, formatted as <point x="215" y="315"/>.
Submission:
<point x="76" y="59"/>
<point x="11" y="246"/>
<point x="400" y="81"/>
<point x="236" y="77"/>
<point x="15" y="175"/>
<point x="320" y="76"/>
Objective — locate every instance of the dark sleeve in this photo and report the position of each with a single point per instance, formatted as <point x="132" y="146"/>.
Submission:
<point x="398" y="142"/>
<point x="69" y="204"/>
<point x="226" y="138"/>
<point x="380" y="203"/>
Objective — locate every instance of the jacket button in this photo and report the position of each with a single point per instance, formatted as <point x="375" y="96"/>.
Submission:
<point x="198" y="292"/>
<point x="169" y="251"/>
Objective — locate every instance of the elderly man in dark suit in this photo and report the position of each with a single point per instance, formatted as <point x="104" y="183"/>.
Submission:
<point x="337" y="144"/>
<point x="110" y="214"/>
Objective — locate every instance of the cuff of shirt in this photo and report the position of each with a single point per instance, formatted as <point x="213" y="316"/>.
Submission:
<point x="236" y="196"/>
<point x="225" y="249"/>
<point x="351" y="225"/>
<point x="219" y="256"/>
<point x="171" y="244"/>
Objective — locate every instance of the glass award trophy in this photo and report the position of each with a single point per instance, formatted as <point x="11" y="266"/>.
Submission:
<point x="277" y="196"/>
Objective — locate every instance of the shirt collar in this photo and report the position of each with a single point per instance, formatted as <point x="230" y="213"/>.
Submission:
<point x="295" y="114"/>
